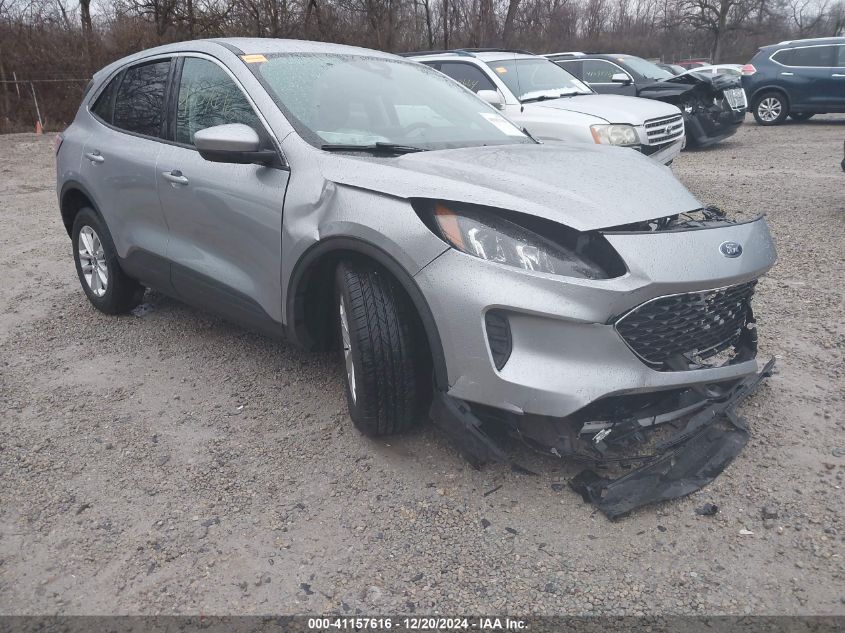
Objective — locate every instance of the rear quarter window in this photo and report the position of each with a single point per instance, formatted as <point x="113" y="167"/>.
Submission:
<point x="104" y="105"/>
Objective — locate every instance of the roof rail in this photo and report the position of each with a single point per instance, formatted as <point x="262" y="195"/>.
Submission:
<point x="498" y="50"/>
<point x="565" y="54"/>
<point x="812" y="39"/>
<point x="453" y="51"/>
<point x="467" y="52"/>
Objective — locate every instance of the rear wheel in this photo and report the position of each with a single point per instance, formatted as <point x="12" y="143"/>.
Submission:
<point x="801" y="116"/>
<point x="381" y="349"/>
<point x="107" y="287"/>
<point x="771" y="108"/>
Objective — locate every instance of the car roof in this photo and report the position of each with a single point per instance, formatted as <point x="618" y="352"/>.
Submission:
<point x="243" y="46"/>
<point x="816" y="41"/>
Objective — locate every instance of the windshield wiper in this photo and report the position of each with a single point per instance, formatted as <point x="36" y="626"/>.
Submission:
<point x="378" y="147"/>
<point x="569" y="93"/>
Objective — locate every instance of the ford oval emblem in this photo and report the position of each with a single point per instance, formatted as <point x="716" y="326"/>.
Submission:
<point x="730" y="249"/>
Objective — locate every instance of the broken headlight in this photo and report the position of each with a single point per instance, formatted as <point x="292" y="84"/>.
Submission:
<point x="614" y="134"/>
<point x="488" y="236"/>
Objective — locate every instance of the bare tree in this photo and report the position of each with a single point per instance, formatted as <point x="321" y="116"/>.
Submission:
<point x="716" y="18"/>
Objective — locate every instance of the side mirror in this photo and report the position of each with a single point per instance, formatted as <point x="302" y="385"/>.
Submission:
<point x="232" y="143"/>
<point x="621" y="78"/>
<point x="493" y="97"/>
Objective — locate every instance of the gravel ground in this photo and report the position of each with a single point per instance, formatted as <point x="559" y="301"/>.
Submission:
<point x="173" y="463"/>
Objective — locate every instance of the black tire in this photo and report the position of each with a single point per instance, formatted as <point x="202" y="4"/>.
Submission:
<point x="121" y="293"/>
<point x="384" y="390"/>
<point x="801" y="116"/>
<point x="771" y="108"/>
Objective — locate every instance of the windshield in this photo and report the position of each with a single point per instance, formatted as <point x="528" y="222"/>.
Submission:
<point x="353" y="100"/>
<point x="646" y="68"/>
<point x="533" y="77"/>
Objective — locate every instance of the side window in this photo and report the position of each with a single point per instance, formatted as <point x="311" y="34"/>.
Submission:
<point x="470" y="76"/>
<point x="783" y="56"/>
<point x="815" y="56"/>
<point x="597" y="71"/>
<point x="139" y="106"/>
<point x="841" y="61"/>
<point x="574" y="67"/>
<point x="104" y="106"/>
<point x="209" y="97"/>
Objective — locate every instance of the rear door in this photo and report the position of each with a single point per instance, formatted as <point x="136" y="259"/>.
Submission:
<point x="118" y="165"/>
<point x="225" y="219"/>
<point x="808" y="75"/>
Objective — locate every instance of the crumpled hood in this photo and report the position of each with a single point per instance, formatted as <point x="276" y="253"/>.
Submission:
<point x="716" y="82"/>
<point x="583" y="186"/>
<point x="611" y="108"/>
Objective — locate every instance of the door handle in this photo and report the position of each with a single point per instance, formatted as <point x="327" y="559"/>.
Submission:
<point x="95" y="156"/>
<point x="788" y="74"/>
<point x="838" y="75"/>
<point x="175" y="177"/>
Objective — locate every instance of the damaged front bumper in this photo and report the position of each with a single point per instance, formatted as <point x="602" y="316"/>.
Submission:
<point x="669" y="468"/>
<point x="680" y="464"/>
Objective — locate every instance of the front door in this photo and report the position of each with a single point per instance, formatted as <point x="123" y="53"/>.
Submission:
<point x="225" y="219"/>
<point x="599" y="74"/>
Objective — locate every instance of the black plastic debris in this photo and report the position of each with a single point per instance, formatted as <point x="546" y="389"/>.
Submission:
<point x="683" y="463"/>
<point x="706" y="510"/>
<point x="456" y="420"/>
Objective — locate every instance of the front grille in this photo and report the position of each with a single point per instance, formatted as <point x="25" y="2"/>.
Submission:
<point x="695" y="325"/>
<point x="736" y="98"/>
<point x="665" y="129"/>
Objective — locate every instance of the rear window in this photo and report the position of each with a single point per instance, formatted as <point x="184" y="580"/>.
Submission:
<point x="139" y="105"/>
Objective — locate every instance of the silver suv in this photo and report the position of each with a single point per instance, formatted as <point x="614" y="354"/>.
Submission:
<point x="553" y="105"/>
<point x="352" y="199"/>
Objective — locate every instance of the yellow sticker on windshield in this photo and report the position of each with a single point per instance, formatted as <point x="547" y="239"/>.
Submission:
<point x="253" y="59"/>
<point x="501" y="70"/>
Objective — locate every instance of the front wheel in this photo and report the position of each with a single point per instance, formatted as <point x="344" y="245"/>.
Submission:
<point x="381" y="347"/>
<point x="801" y="116"/>
<point x="771" y="108"/>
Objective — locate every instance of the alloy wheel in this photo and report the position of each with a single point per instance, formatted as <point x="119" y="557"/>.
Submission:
<point x="92" y="260"/>
<point x="769" y="109"/>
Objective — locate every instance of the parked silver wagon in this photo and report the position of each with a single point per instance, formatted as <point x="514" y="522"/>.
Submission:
<point x="353" y="199"/>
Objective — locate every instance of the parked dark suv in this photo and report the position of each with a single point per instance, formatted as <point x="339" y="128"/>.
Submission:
<point x="798" y="78"/>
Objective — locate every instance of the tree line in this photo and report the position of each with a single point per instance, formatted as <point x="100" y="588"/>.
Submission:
<point x="58" y="44"/>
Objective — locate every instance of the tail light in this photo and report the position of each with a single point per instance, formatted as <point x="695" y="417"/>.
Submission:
<point x="748" y="69"/>
<point x="57" y="143"/>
